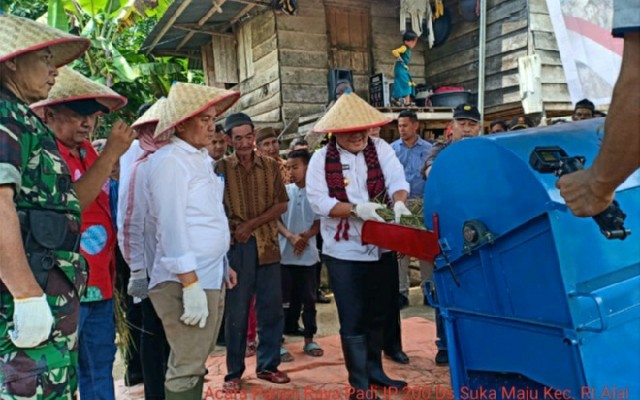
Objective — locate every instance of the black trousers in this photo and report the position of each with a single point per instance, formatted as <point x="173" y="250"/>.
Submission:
<point x="154" y="352"/>
<point x="133" y="317"/>
<point x="300" y="289"/>
<point x="150" y="351"/>
<point x="362" y="294"/>
<point x="392" y="330"/>
<point x="265" y="282"/>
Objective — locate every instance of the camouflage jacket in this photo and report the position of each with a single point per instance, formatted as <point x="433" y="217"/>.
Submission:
<point x="30" y="160"/>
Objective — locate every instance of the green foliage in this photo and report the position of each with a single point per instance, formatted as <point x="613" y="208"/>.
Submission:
<point x="56" y="16"/>
<point x="32" y="9"/>
<point x="117" y="29"/>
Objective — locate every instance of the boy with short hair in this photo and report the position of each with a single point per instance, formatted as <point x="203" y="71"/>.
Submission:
<point x="298" y="228"/>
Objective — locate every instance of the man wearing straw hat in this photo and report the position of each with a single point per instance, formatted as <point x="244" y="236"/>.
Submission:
<point x="187" y="279"/>
<point x="255" y="197"/>
<point x="40" y="265"/>
<point x="71" y="111"/>
<point x="347" y="181"/>
<point x="137" y="240"/>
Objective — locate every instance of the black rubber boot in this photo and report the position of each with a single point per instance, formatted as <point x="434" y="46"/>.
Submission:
<point x="354" y="349"/>
<point x="195" y="393"/>
<point x="374" y="363"/>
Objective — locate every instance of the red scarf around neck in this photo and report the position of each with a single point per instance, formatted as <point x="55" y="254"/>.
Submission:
<point x="335" y="179"/>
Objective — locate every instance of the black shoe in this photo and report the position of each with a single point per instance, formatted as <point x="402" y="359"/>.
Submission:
<point x="294" y="332"/>
<point x="322" y="298"/>
<point x="442" y="357"/>
<point x="398" y="356"/>
<point x="403" y="301"/>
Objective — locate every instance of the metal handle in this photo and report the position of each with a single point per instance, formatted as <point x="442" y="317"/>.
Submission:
<point x="600" y="307"/>
<point x="427" y="289"/>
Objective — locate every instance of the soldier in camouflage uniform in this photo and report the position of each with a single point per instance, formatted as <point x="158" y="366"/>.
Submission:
<point x="42" y="275"/>
<point x="72" y="111"/>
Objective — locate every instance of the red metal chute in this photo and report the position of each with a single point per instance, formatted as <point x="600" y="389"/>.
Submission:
<point x="419" y="243"/>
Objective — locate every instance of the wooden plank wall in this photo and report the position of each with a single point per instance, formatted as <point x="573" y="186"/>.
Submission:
<point x="455" y="62"/>
<point x="555" y="92"/>
<point x="261" y="93"/>
<point x="304" y="52"/>
<point x="349" y="36"/>
<point x="303" y="56"/>
<point x="386" y="36"/>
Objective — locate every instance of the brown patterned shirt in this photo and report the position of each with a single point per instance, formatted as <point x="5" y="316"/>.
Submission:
<point x="284" y="171"/>
<point x="249" y="194"/>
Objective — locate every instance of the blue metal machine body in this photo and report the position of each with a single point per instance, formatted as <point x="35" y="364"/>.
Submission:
<point x="548" y="301"/>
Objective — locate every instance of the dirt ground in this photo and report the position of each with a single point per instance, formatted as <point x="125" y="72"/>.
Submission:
<point x="325" y="377"/>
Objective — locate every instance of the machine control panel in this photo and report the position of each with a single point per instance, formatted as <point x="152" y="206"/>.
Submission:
<point x="554" y="160"/>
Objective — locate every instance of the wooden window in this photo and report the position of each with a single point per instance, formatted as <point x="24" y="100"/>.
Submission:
<point x="245" y="52"/>
<point x="225" y="59"/>
<point x="233" y="57"/>
<point x="349" y="33"/>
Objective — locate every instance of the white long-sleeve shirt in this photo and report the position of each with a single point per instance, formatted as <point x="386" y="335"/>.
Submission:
<point x="137" y="237"/>
<point x="185" y="204"/>
<point x="354" y="169"/>
<point x="126" y="168"/>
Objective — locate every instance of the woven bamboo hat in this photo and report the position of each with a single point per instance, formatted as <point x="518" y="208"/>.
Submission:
<point x="152" y="115"/>
<point x="73" y="86"/>
<point x="186" y="100"/>
<point x="350" y="114"/>
<point x="21" y="35"/>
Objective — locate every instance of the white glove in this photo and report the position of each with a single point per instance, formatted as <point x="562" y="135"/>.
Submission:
<point x="400" y="209"/>
<point x="196" y="310"/>
<point x="32" y="322"/>
<point x="367" y="211"/>
<point x="138" y="285"/>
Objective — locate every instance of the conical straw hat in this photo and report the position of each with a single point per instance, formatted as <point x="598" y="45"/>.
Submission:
<point x="71" y="86"/>
<point x="21" y="35"/>
<point x="186" y="100"/>
<point x="350" y="114"/>
<point x="152" y="115"/>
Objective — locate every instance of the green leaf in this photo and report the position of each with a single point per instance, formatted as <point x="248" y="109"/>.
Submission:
<point x="122" y="66"/>
<point x="56" y="16"/>
<point x="160" y="68"/>
<point x="92" y="7"/>
<point x="89" y="29"/>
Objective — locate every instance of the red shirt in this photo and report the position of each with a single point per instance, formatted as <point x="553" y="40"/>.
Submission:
<point x="98" y="240"/>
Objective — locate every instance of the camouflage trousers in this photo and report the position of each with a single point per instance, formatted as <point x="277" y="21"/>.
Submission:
<point x="49" y="370"/>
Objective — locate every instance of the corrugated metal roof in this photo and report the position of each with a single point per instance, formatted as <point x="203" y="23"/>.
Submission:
<point x="165" y="37"/>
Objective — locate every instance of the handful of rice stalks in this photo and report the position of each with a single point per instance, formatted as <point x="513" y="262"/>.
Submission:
<point x="415" y="221"/>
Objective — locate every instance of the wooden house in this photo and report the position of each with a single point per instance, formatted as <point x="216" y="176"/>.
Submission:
<point x="280" y="62"/>
<point x="516" y="30"/>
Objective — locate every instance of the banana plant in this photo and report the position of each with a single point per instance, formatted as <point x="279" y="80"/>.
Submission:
<point x="117" y="29"/>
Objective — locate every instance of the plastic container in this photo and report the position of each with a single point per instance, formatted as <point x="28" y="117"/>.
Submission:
<point x="450" y="99"/>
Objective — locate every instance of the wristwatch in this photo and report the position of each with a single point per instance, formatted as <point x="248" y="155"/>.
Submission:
<point x="353" y="212"/>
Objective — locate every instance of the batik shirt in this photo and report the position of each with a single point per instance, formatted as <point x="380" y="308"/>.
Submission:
<point x="249" y="193"/>
<point x="31" y="162"/>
